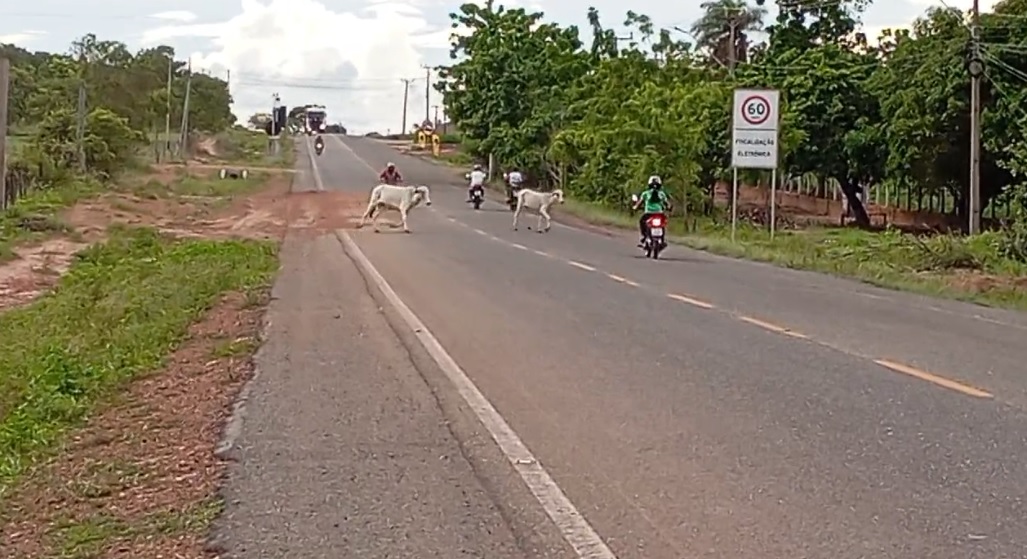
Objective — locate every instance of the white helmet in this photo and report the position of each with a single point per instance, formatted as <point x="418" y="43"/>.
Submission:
<point x="477" y="166"/>
<point x="655" y="180"/>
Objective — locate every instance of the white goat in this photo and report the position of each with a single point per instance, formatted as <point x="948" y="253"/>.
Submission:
<point x="541" y="201"/>
<point x="402" y="198"/>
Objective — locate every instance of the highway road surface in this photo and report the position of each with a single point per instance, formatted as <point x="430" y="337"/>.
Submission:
<point x="471" y="391"/>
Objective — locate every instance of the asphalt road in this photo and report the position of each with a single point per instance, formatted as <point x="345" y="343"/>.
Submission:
<point x="700" y="406"/>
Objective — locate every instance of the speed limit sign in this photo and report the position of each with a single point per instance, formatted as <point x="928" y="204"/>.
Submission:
<point x="756" y="110"/>
<point x="754" y="124"/>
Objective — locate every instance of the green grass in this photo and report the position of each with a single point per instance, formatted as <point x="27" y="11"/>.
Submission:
<point x="34" y="216"/>
<point x="246" y="147"/>
<point x="89" y="537"/>
<point x="186" y="184"/>
<point x="887" y="259"/>
<point x="118" y="312"/>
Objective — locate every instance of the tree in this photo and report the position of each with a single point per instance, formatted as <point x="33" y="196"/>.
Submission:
<point x="724" y="22"/>
<point x="597" y="119"/>
<point x="126" y="98"/>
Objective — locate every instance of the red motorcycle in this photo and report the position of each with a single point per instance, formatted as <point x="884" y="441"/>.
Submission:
<point x="656" y="237"/>
<point x="656" y="233"/>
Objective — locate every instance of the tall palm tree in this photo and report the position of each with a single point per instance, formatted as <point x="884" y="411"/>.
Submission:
<point x="714" y="29"/>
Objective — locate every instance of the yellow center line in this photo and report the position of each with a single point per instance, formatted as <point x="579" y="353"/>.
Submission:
<point x="934" y="379"/>
<point x="690" y="301"/>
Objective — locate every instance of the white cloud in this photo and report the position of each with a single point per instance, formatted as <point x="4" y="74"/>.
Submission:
<point x="182" y="16"/>
<point x="21" y="38"/>
<point x="352" y="62"/>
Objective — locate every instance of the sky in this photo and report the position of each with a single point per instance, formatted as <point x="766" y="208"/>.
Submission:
<point x="350" y="55"/>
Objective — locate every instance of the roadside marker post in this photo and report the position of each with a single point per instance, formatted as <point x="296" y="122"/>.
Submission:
<point x="754" y="134"/>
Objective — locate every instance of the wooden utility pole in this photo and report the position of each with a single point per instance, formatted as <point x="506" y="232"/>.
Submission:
<point x="184" y="135"/>
<point x="166" y="144"/>
<point x="80" y="127"/>
<point x="406" y="99"/>
<point x="976" y="70"/>
<point x="5" y="80"/>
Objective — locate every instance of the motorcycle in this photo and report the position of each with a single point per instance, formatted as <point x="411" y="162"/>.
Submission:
<point x="511" y="192"/>
<point x="319" y="146"/>
<point x="477" y="196"/>
<point x="655" y="238"/>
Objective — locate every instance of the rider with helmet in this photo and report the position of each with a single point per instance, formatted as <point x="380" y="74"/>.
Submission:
<point x="390" y="175"/>
<point x="653" y="201"/>
<point x="514" y="180"/>
<point x="477" y="179"/>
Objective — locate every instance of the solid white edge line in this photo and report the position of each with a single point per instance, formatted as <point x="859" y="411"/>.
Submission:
<point x="318" y="183"/>
<point x="572" y="525"/>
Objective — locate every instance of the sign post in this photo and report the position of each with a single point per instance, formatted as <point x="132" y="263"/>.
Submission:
<point x="754" y="134"/>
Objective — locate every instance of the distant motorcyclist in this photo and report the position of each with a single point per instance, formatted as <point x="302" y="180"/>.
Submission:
<point x="514" y="180"/>
<point x="653" y="201"/>
<point x="390" y="175"/>
<point x="319" y="144"/>
<point x="476" y="179"/>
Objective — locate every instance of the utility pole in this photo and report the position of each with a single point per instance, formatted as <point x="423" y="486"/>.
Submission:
<point x="276" y="132"/>
<point x="167" y="110"/>
<point x="406" y="99"/>
<point x="184" y="137"/>
<point x="436" y="121"/>
<point x="732" y="55"/>
<point x="5" y="80"/>
<point x="80" y="127"/>
<point x="976" y="69"/>
<point x="427" y="92"/>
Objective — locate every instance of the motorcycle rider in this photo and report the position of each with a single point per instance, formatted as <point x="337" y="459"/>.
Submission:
<point x="654" y="201"/>
<point x="390" y="175"/>
<point x="514" y="180"/>
<point x="319" y="144"/>
<point x="477" y="179"/>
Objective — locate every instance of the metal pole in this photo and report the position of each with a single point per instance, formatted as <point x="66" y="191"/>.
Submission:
<point x="5" y="77"/>
<point x="975" y="130"/>
<point x="773" y="202"/>
<point x="734" y="205"/>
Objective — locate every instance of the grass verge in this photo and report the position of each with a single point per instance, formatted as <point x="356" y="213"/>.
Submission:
<point x="192" y="185"/>
<point x="116" y="314"/>
<point x="968" y="269"/>
<point x="242" y="147"/>
<point x="34" y="216"/>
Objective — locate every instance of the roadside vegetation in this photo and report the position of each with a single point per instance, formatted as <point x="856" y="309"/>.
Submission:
<point x="132" y="283"/>
<point x="879" y="123"/>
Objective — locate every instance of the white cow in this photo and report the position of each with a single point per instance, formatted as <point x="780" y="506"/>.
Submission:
<point x="402" y="198"/>
<point x="541" y="201"/>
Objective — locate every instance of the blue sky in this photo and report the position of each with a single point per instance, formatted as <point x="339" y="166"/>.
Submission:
<point x="349" y="55"/>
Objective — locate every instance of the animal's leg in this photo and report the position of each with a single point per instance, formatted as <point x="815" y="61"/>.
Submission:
<point x="543" y="212"/>
<point x="374" y="220"/>
<point x="403" y="218"/>
<point x="517" y="215"/>
<point x="367" y="214"/>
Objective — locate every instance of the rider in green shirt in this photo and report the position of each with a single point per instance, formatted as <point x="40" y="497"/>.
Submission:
<point x="654" y="201"/>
